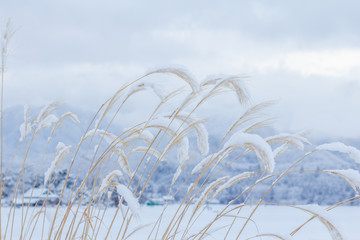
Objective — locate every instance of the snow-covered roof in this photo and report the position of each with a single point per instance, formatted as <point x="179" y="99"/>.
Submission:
<point x="37" y="192"/>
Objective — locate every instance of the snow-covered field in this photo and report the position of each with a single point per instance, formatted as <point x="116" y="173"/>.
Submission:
<point x="266" y="220"/>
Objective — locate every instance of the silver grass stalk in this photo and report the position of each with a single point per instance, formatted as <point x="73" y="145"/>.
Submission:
<point x="233" y="180"/>
<point x="61" y="152"/>
<point x="255" y="143"/>
<point x="202" y="133"/>
<point x="44" y="114"/>
<point x="234" y="83"/>
<point x="351" y="176"/>
<point x="109" y="137"/>
<point x="177" y="134"/>
<point x="138" y="134"/>
<point x="149" y="150"/>
<point x="61" y="119"/>
<point x="208" y="192"/>
<point x="132" y="202"/>
<point x="321" y="215"/>
<point x="290" y="139"/>
<point x="280" y="150"/>
<point x="122" y="160"/>
<point x="252" y="113"/>
<point x="25" y="127"/>
<point x="209" y="160"/>
<point x="106" y="182"/>
<point x="181" y="73"/>
<point x="353" y="152"/>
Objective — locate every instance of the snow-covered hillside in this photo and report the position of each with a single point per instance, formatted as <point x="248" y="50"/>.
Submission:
<point x="301" y="187"/>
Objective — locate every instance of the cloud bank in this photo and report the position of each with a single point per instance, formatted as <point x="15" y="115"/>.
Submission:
<point x="303" y="54"/>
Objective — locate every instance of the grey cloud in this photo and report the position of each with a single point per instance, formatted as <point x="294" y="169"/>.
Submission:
<point x="78" y="31"/>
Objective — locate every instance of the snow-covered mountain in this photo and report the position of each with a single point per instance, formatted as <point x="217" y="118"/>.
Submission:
<point x="300" y="187"/>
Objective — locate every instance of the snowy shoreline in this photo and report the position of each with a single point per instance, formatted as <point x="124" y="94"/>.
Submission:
<point x="266" y="220"/>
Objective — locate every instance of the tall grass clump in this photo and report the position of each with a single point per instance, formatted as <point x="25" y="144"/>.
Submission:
<point x="110" y="165"/>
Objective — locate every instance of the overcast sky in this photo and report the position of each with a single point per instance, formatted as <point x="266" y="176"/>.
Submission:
<point x="304" y="54"/>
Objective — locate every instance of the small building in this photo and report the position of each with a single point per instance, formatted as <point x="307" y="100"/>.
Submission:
<point x="37" y="197"/>
<point x="159" y="201"/>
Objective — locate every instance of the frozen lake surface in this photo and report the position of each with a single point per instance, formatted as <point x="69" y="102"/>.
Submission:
<point x="266" y="220"/>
